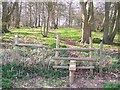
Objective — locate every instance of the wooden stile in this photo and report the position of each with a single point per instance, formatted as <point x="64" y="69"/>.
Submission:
<point x="73" y="60"/>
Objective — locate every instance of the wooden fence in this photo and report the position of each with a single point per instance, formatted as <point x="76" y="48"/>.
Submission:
<point x="73" y="61"/>
<point x="16" y="43"/>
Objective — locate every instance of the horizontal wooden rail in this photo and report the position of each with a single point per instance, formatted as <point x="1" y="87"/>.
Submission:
<point x="76" y="49"/>
<point x="61" y="67"/>
<point x="30" y="45"/>
<point x="77" y="59"/>
<point x="78" y="67"/>
<point x="85" y="67"/>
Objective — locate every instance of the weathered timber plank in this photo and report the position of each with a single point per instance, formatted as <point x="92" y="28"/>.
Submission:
<point x="85" y="67"/>
<point x="77" y="59"/>
<point x="61" y="67"/>
<point x="76" y="49"/>
<point x="78" y="67"/>
<point x="71" y="77"/>
<point x="57" y="46"/>
<point x="101" y="58"/>
<point x="30" y="45"/>
<point x="90" y="54"/>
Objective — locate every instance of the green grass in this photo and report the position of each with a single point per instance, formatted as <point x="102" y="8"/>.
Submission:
<point x="15" y="70"/>
<point x="68" y="33"/>
<point x="12" y="70"/>
<point x="112" y="86"/>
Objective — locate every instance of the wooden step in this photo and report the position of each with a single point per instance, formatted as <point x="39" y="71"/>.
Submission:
<point x="77" y="59"/>
<point x="76" y="49"/>
<point x="78" y="67"/>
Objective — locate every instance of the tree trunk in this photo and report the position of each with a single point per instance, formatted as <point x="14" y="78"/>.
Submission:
<point x="6" y="15"/>
<point x="43" y="31"/>
<point x="39" y="21"/>
<point x="87" y="22"/>
<point x="47" y="24"/>
<point x="116" y="24"/>
<point x="30" y="15"/>
<point x="39" y="14"/>
<point x="56" y="20"/>
<point x="102" y="25"/>
<point x="106" y="24"/>
<point x="49" y="8"/>
<point x="91" y="16"/>
<point x="85" y="32"/>
<point x="36" y="12"/>
<point x="53" y="16"/>
<point x="18" y="12"/>
<point x="26" y="12"/>
<point x="70" y="14"/>
<point x="4" y="18"/>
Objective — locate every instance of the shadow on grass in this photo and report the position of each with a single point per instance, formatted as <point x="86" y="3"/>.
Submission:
<point x="116" y="44"/>
<point x="98" y="41"/>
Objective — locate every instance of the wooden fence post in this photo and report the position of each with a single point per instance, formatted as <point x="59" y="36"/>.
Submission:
<point x="101" y="59"/>
<point x="72" y="69"/>
<point x="90" y="54"/>
<point x="57" y="46"/>
<point x="43" y="60"/>
<point x="16" y="40"/>
<point x="0" y="41"/>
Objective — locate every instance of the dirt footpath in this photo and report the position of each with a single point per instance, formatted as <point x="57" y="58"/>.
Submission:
<point x="95" y="82"/>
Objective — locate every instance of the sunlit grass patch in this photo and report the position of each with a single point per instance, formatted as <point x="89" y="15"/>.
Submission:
<point x="69" y="33"/>
<point x="97" y="35"/>
<point x="34" y="35"/>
